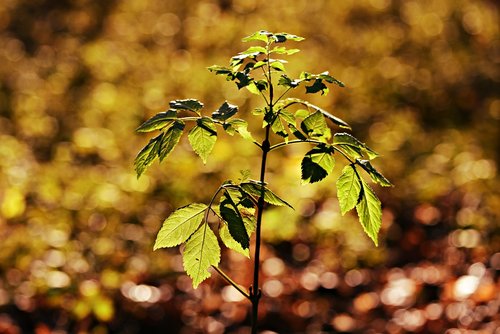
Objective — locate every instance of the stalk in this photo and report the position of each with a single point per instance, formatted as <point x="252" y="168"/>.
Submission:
<point x="255" y="292"/>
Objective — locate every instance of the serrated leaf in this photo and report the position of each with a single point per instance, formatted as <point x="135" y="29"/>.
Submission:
<point x="261" y="35"/>
<point x="180" y="225"/>
<point x="202" y="137"/>
<point x="288" y="117"/>
<point x="158" y="121"/>
<point x="240" y="126"/>
<point x="328" y="78"/>
<point x="225" y="111"/>
<point x="202" y="251"/>
<point x="375" y="175"/>
<point x="286" y="81"/>
<point x="254" y="189"/>
<point x="317" y="164"/>
<point x="254" y="49"/>
<point x="147" y="155"/>
<point x="348" y="189"/>
<point x="315" y="126"/>
<point x="369" y="212"/>
<point x="170" y="139"/>
<point x="188" y="104"/>
<point x="231" y="215"/>
<point x="296" y="132"/>
<point x="344" y="139"/>
<point x="278" y="128"/>
<point x="325" y="113"/>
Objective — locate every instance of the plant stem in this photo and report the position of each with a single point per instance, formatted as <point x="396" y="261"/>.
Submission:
<point x="255" y="292"/>
<point x="233" y="283"/>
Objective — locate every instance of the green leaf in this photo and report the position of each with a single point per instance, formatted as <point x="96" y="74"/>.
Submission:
<point x="170" y="139"/>
<point x="243" y="79"/>
<point x="202" y="251"/>
<point x="369" y="212"/>
<point x="283" y="37"/>
<point x="375" y="175"/>
<point x="225" y="111"/>
<point x="315" y="126"/>
<point x="147" y="155"/>
<point x="262" y="36"/>
<point x="254" y="189"/>
<point x="232" y="216"/>
<point x="240" y="126"/>
<point x="189" y="104"/>
<point x="348" y="189"/>
<point x="328" y="78"/>
<point x="278" y="128"/>
<point x="334" y="119"/>
<point x="283" y="50"/>
<point x="296" y="132"/>
<point x="278" y="66"/>
<point x="286" y="81"/>
<point x="253" y="50"/>
<point x="344" y="139"/>
<point x="317" y="164"/>
<point x="180" y="225"/>
<point x="202" y="137"/>
<point x="158" y="121"/>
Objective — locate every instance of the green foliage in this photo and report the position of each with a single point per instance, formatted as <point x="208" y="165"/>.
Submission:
<point x="239" y="203"/>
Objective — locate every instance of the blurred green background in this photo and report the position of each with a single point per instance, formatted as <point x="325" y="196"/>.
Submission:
<point x="77" y="228"/>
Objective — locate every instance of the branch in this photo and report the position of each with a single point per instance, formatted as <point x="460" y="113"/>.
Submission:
<point x="233" y="283"/>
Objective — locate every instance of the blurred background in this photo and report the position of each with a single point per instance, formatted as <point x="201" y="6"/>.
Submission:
<point x="77" y="228"/>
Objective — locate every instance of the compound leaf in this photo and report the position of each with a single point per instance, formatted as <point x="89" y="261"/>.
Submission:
<point x="202" y="251"/>
<point x="348" y="189"/>
<point x="317" y="164"/>
<point x="240" y="126"/>
<point x="180" y="225"/>
<point x="158" y="121"/>
<point x="344" y="139"/>
<point x="334" y="119"/>
<point x="202" y="137"/>
<point x="369" y="212"/>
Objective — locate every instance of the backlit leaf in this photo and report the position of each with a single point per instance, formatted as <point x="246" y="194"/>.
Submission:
<point x="170" y="139"/>
<point x="375" y="175"/>
<point x="315" y="126"/>
<point x="369" y="212"/>
<point x="202" y="137"/>
<point x="158" y="121"/>
<point x="262" y="36"/>
<point x="202" y="251"/>
<point x="254" y="189"/>
<point x="317" y="164"/>
<point x="325" y="113"/>
<point x="180" y="225"/>
<point x="239" y="126"/>
<point x="147" y="155"/>
<point x="348" y="189"/>
<point x="347" y="139"/>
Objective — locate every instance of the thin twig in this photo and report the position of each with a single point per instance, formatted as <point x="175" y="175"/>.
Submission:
<point x="233" y="283"/>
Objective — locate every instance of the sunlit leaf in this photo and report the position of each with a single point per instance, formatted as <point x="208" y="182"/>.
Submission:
<point x="170" y="139"/>
<point x="180" y="225"/>
<point x="202" y="137"/>
<point x="317" y="164"/>
<point x="202" y="251"/>
<point x="147" y="155"/>
<point x="317" y="86"/>
<point x="239" y="126"/>
<point x="255" y="189"/>
<point x="349" y="140"/>
<point x="348" y="189"/>
<point x="158" y="121"/>
<point x="315" y="126"/>
<point x="334" y="119"/>
<point x="369" y="212"/>
<point x="262" y="36"/>
<point x="375" y="175"/>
